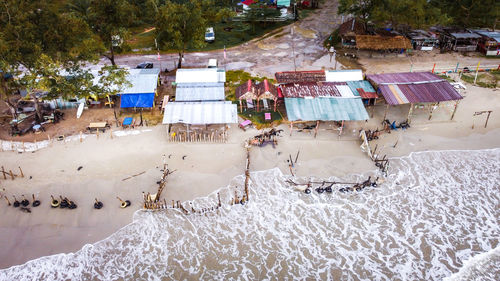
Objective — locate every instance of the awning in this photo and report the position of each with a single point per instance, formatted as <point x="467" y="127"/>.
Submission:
<point x="200" y="113"/>
<point x="325" y="109"/>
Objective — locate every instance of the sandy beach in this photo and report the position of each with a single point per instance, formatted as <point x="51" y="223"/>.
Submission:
<point x="107" y="161"/>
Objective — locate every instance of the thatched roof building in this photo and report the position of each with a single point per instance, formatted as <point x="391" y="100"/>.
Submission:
<point x="378" y="43"/>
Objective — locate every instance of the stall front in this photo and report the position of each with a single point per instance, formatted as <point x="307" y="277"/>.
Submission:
<point x="414" y="88"/>
<point x="199" y="121"/>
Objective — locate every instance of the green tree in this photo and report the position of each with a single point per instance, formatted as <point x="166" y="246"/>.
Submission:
<point x="180" y="26"/>
<point x="362" y="9"/>
<point x="39" y="39"/>
<point x="109" y="19"/>
<point x="258" y="13"/>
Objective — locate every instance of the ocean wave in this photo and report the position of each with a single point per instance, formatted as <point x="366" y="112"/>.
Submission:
<point x="435" y="211"/>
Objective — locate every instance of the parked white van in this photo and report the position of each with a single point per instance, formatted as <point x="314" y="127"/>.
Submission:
<point x="209" y="35"/>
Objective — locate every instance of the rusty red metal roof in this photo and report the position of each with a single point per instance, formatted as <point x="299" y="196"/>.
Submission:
<point x="311" y="89"/>
<point x="266" y="90"/>
<point x="413" y="87"/>
<point x="300" y="76"/>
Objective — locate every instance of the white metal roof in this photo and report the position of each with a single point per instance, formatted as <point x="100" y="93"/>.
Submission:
<point x="200" y="113"/>
<point x="200" y="92"/>
<point x="142" y="80"/>
<point x="200" y="75"/>
<point x="343" y="75"/>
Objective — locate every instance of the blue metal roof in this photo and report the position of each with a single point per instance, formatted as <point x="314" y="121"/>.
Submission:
<point x="365" y="85"/>
<point x="325" y="109"/>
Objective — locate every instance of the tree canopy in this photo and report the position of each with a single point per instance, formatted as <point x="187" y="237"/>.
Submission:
<point x="424" y="13"/>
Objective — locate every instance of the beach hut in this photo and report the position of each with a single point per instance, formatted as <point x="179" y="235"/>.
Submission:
<point x="266" y="91"/>
<point x="199" y="112"/>
<point x="489" y="44"/>
<point x="354" y="79"/>
<point x="195" y="119"/>
<point x="382" y="43"/>
<point x="259" y="92"/>
<point x="141" y="93"/>
<point x="348" y="31"/>
<point x="459" y="40"/>
<point x="322" y="101"/>
<point x="422" y="40"/>
<point x="414" y="88"/>
<point x="245" y="93"/>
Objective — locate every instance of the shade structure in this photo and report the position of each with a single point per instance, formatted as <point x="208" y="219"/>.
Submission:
<point x="343" y="75"/>
<point x="200" y="113"/>
<point x="200" y="75"/>
<point x="200" y="92"/>
<point x="300" y="76"/>
<point x="413" y="87"/>
<point x="325" y="109"/>
<point x="144" y="100"/>
<point x="142" y="89"/>
<point x="363" y="89"/>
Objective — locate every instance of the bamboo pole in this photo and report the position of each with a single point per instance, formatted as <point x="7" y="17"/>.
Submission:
<point x="454" y="109"/>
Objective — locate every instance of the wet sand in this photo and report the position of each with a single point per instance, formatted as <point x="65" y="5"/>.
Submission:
<point x="207" y="167"/>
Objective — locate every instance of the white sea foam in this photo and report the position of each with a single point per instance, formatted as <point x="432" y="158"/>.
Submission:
<point x="435" y="211"/>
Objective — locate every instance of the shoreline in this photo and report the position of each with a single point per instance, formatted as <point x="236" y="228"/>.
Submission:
<point x="207" y="167"/>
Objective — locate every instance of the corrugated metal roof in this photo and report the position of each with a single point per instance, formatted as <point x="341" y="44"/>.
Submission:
<point x="200" y="113"/>
<point x="142" y="80"/>
<point x="311" y="89"/>
<point x="362" y="88"/>
<point x="266" y="90"/>
<point x="299" y="76"/>
<point x="464" y="35"/>
<point x="495" y="35"/>
<point x="200" y="92"/>
<point x="343" y="75"/>
<point x="325" y="109"/>
<point x="413" y="87"/>
<point x="200" y="75"/>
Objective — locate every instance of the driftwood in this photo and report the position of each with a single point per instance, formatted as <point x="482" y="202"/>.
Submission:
<point x="132" y="176"/>
<point x="326" y="186"/>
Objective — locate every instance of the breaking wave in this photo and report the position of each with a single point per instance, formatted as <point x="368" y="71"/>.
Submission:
<point x="435" y="211"/>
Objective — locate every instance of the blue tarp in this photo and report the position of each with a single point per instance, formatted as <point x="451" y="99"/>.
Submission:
<point x="137" y="100"/>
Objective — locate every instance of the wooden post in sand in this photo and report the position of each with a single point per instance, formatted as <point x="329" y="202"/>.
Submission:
<point x="21" y="171"/>
<point x="11" y="174"/>
<point x="111" y="133"/>
<point x="408" y="119"/>
<point x="487" y="118"/>
<point x="316" y="129"/>
<point x="291" y="128"/>
<point x="454" y="109"/>
<point x="81" y="136"/>
<point x="431" y="109"/>
<point x="385" y="112"/>
<point x="97" y="133"/>
<point x="3" y="173"/>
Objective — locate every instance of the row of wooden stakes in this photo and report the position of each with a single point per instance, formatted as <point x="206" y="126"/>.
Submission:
<point x="219" y="137"/>
<point x="11" y="174"/>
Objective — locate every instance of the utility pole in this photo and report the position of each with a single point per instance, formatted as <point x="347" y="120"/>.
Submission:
<point x="293" y="49"/>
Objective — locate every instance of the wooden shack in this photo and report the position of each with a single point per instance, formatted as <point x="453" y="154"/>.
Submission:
<point x="348" y="31"/>
<point x="458" y="40"/>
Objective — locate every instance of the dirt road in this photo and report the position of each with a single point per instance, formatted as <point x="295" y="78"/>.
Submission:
<point x="266" y="56"/>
